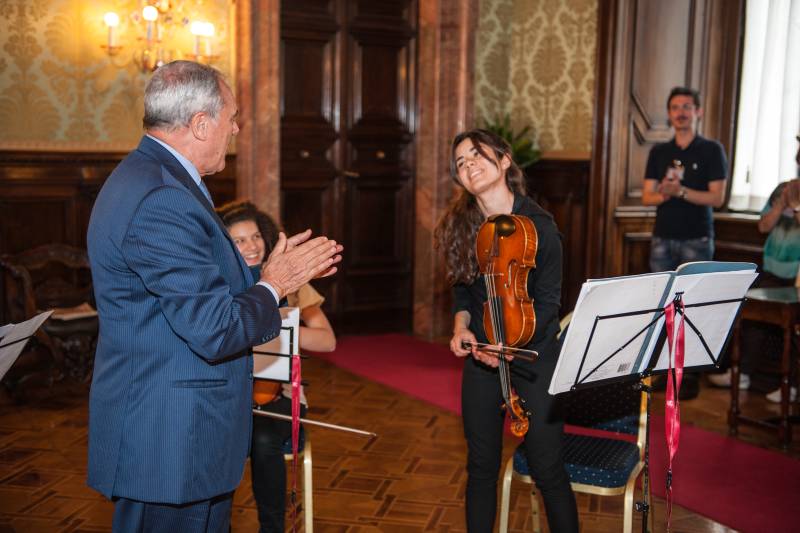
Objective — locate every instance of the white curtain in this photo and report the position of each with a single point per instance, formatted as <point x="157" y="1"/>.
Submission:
<point x="769" y="102"/>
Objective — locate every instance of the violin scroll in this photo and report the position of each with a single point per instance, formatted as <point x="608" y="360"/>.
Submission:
<point x="519" y="422"/>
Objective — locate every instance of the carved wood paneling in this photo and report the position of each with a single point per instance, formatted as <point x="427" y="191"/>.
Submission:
<point x="347" y="157"/>
<point x="47" y="197"/>
<point x="561" y="186"/>
<point x="738" y="238"/>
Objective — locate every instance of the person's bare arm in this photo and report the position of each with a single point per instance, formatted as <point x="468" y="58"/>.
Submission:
<point x="650" y="194"/>
<point x="771" y="217"/>
<point x="714" y="196"/>
<point x="461" y="333"/>
<point x="316" y="333"/>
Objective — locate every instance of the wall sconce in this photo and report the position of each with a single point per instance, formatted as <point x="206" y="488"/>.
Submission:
<point x="161" y="27"/>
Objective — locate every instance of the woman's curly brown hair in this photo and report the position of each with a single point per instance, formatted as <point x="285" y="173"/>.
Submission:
<point x="457" y="230"/>
<point x="242" y="211"/>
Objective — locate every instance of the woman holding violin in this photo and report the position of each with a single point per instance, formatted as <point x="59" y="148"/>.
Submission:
<point x="255" y="234"/>
<point x="503" y="250"/>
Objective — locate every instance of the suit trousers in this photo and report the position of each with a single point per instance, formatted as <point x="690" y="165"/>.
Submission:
<point x="481" y="400"/>
<point x="205" y="516"/>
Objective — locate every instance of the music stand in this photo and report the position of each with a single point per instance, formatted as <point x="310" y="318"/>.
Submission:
<point x="617" y="329"/>
<point x="14" y="337"/>
<point x="272" y="360"/>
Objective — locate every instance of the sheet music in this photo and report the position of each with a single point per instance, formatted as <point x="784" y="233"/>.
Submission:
<point x="277" y="367"/>
<point x="634" y="337"/>
<point x="714" y="321"/>
<point x="603" y="298"/>
<point x="12" y="342"/>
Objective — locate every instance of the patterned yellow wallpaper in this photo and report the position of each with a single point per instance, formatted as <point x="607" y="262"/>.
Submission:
<point x="59" y="90"/>
<point x="535" y="61"/>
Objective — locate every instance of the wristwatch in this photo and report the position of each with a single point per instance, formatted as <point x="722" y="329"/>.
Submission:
<point x="682" y="194"/>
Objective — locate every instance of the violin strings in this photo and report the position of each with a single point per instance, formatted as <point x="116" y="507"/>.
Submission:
<point x="495" y="314"/>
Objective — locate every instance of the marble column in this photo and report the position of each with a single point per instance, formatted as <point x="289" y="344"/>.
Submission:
<point x="445" y="66"/>
<point x="258" y="96"/>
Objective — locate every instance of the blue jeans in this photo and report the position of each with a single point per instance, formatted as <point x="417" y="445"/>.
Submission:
<point x="668" y="254"/>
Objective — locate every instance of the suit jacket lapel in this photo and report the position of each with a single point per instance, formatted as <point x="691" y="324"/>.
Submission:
<point x="158" y="152"/>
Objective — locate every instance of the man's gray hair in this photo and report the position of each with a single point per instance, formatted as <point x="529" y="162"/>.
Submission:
<point x="179" y="90"/>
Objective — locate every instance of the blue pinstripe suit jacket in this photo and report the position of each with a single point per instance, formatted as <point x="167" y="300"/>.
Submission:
<point x="169" y="409"/>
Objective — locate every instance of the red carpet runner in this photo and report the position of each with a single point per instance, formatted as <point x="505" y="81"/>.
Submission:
<point x="733" y="483"/>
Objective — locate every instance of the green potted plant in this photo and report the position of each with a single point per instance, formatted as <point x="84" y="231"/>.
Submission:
<point x="523" y="150"/>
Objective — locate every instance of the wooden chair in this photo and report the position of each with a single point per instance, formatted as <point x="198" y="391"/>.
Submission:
<point x="599" y="458"/>
<point x="304" y="454"/>
<point x="46" y="277"/>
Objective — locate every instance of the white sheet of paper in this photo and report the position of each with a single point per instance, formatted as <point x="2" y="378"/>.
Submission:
<point x="14" y="332"/>
<point x="277" y="367"/>
<point x="602" y="298"/>
<point x="715" y="321"/>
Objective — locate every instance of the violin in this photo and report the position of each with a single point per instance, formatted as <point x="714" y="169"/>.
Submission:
<point x="506" y="251"/>
<point x="265" y="391"/>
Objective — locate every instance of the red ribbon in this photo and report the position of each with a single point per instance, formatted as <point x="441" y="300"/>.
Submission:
<point x="672" y="414"/>
<point x="296" y="379"/>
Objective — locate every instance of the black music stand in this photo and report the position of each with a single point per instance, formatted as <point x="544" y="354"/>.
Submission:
<point x="617" y="331"/>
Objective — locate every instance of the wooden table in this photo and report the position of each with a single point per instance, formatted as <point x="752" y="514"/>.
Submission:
<point x="779" y="306"/>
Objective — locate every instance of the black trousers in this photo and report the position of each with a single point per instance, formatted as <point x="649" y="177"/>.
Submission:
<point x="267" y="465"/>
<point x="481" y="398"/>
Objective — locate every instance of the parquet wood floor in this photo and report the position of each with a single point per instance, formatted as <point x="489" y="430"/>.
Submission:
<point x="411" y="478"/>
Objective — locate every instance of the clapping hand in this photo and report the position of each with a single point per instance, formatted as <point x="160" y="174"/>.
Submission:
<point x="791" y="194"/>
<point x="296" y="260"/>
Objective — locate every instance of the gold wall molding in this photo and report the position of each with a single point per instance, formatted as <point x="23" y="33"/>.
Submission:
<point x="535" y="60"/>
<point x="58" y="89"/>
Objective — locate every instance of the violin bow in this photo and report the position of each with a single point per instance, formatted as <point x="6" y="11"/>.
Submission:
<point x="520" y="353"/>
<point x="326" y="425"/>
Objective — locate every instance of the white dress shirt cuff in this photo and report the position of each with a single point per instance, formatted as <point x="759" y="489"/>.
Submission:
<point x="273" y="291"/>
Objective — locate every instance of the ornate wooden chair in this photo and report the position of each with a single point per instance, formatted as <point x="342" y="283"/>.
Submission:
<point x="47" y="277"/>
<point x="603" y="450"/>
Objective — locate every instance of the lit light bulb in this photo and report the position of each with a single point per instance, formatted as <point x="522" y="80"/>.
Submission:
<point x="112" y="20"/>
<point x="202" y="31"/>
<point x="149" y="13"/>
<point x="201" y="28"/>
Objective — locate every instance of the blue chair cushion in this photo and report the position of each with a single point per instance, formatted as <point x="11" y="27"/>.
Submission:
<point x="624" y="424"/>
<point x="301" y="443"/>
<point x="594" y="461"/>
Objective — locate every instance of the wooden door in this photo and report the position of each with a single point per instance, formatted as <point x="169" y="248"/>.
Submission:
<point x="347" y="149"/>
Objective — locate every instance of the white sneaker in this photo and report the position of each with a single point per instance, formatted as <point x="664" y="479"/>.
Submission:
<point x="775" y="396"/>
<point x="724" y="380"/>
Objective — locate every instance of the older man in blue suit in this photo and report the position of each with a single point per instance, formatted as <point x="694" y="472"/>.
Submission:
<point x="169" y="412"/>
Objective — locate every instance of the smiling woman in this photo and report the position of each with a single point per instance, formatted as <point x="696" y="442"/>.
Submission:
<point x="255" y="235"/>
<point x="492" y="184"/>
